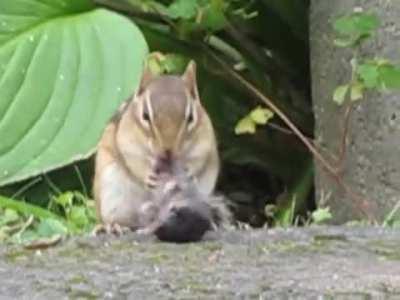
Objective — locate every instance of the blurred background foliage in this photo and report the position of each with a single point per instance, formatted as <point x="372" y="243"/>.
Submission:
<point x="268" y="174"/>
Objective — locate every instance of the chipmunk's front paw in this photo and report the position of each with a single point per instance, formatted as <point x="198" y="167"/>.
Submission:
<point x="145" y="231"/>
<point x="110" y="229"/>
<point x="152" y="180"/>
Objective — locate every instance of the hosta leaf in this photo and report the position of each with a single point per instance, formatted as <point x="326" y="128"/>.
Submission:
<point x="64" y="69"/>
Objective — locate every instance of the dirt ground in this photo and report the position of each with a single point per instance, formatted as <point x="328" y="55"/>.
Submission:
<point x="310" y="263"/>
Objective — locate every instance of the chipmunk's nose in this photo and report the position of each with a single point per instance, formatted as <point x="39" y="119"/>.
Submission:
<point x="164" y="161"/>
<point x="166" y="155"/>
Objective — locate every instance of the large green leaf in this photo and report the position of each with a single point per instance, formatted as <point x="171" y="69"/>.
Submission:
<point x="64" y="69"/>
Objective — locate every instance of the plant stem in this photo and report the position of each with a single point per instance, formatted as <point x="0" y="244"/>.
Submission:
<point x="363" y="205"/>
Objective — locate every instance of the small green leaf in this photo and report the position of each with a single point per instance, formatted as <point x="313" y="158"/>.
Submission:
<point x="286" y="209"/>
<point x="340" y="94"/>
<point x="50" y="227"/>
<point x="321" y="215"/>
<point x="369" y="74"/>
<point x="245" y="125"/>
<point x="357" y="24"/>
<point x="154" y="67"/>
<point x="166" y="63"/>
<point x="65" y="199"/>
<point x="381" y="61"/>
<point x="185" y="9"/>
<point x="390" y="76"/>
<point x="214" y="15"/>
<point x="344" y="43"/>
<point x="91" y="210"/>
<point x="78" y="216"/>
<point x="261" y="116"/>
<point x="357" y="91"/>
<point x="8" y="216"/>
<point x="174" y="63"/>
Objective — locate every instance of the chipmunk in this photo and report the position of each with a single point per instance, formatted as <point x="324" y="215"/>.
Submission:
<point x="177" y="211"/>
<point x="164" y="119"/>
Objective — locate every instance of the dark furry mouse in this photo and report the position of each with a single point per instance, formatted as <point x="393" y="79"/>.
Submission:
<point x="178" y="212"/>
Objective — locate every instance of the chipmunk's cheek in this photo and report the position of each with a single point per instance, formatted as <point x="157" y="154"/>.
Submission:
<point x="151" y="145"/>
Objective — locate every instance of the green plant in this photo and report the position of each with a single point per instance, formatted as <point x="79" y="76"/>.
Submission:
<point x="285" y="216"/>
<point x="321" y="215"/>
<point x="60" y="81"/>
<point x="264" y="41"/>
<point x="77" y="210"/>
<point x="68" y="213"/>
<point x="258" y="116"/>
<point x="367" y="73"/>
<point x="392" y="219"/>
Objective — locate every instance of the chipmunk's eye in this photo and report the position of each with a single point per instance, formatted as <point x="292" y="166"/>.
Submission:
<point x="146" y="116"/>
<point x="190" y="118"/>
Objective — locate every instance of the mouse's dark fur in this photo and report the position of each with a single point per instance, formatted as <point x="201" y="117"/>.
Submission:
<point x="178" y="212"/>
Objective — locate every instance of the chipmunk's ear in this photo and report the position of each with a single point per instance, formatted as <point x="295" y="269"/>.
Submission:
<point x="189" y="77"/>
<point x="147" y="76"/>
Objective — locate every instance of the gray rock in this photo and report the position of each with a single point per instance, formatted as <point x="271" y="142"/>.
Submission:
<point x="371" y="167"/>
<point x="311" y="263"/>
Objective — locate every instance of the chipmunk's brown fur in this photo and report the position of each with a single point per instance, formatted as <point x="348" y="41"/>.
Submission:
<point x="164" y="119"/>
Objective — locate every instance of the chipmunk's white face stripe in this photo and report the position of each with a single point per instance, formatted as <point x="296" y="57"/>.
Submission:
<point x="189" y="121"/>
<point x="148" y="106"/>
<point x="190" y="113"/>
<point x="145" y="111"/>
<point x="152" y="126"/>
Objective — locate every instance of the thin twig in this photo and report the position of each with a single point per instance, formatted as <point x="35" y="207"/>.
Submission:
<point x="342" y="151"/>
<point x="338" y="159"/>
<point x="81" y="181"/>
<point x="364" y="206"/>
<point x="52" y="185"/>
<point x="26" y="187"/>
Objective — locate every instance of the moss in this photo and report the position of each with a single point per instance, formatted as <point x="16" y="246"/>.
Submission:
<point x="386" y="250"/>
<point x="77" y="279"/>
<point x="330" y="237"/>
<point x="17" y="254"/>
<point x="248" y="268"/>
<point x="79" y="294"/>
<point x="157" y="258"/>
